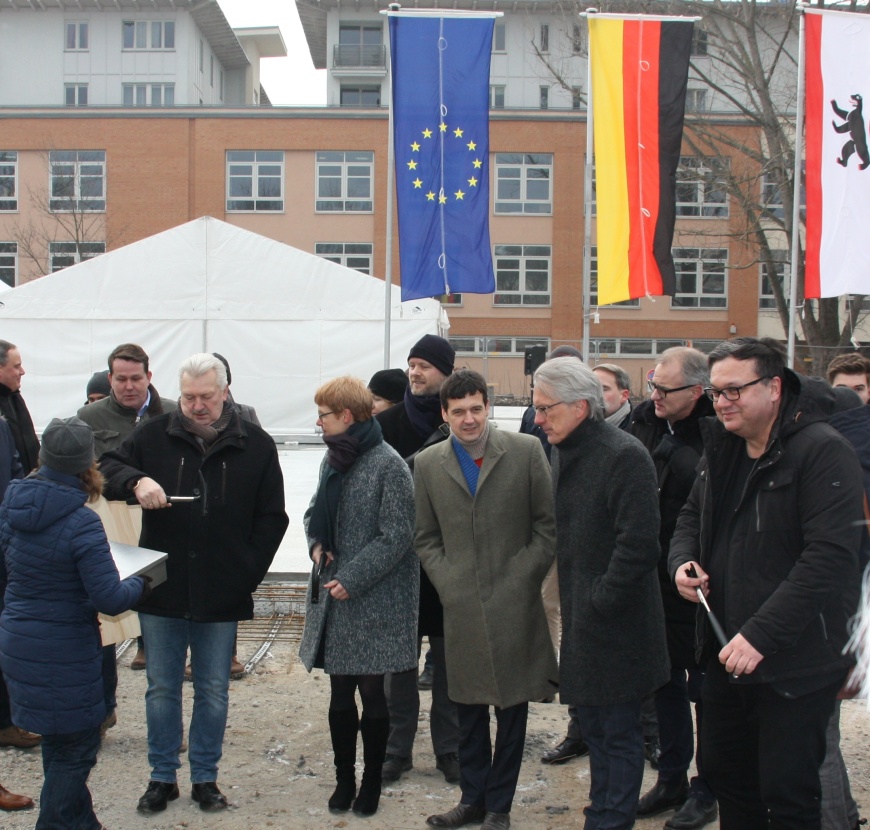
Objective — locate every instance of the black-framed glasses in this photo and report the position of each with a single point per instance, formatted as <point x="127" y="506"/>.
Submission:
<point x="664" y="391"/>
<point x="545" y="410"/>
<point x="732" y="393"/>
<point x="322" y="415"/>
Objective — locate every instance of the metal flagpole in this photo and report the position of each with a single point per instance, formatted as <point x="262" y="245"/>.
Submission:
<point x="796" y="207"/>
<point x="587" y="208"/>
<point x="388" y="265"/>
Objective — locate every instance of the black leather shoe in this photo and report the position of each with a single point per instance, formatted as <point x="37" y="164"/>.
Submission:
<point x="693" y="815"/>
<point x="459" y="816"/>
<point x="425" y="680"/>
<point x="156" y="796"/>
<point x="209" y="797"/>
<point x="448" y="764"/>
<point x="496" y="821"/>
<point x="393" y="768"/>
<point x="665" y="795"/>
<point x="565" y="751"/>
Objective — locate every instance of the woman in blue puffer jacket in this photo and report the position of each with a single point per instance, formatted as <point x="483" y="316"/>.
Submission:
<point x="59" y="572"/>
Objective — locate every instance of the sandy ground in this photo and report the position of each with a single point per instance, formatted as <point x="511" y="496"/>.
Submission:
<point x="277" y="765"/>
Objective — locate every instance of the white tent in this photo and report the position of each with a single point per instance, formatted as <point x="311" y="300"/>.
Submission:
<point x="286" y="320"/>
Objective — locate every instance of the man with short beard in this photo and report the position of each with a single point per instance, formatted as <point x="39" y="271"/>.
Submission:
<point x="408" y="427"/>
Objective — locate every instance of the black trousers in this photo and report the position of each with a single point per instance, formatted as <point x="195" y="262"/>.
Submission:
<point x="762" y="752"/>
<point x="489" y="779"/>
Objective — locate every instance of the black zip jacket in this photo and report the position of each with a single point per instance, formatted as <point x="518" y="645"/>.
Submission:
<point x="789" y="582"/>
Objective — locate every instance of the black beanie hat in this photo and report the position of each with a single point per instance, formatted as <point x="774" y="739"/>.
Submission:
<point x="389" y="384"/>
<point x="435" y="350"/>
<point x="67" y="446"/>
<point x="99" y="384"/>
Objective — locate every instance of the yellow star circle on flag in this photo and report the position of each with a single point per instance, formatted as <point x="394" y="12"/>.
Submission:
<point x="459" y="195"/>
<point x="427" y="133"/>
<point x="415" y="147"/>
<point x="457" y="132"/>
<point x="412" y="165"/>
<point x="472" y="145"/>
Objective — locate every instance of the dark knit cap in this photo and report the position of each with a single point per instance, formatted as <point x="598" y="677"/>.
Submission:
<point x="565" y="351"/>
<point x="435" y="350"/>
<point x="67" y="446"/>
<point x="226" y="363"/>
<point x="99" y="384"/>
<point x="389" y="384"/>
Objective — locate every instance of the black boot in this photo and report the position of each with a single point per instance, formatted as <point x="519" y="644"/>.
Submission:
<point x="374" y="734"/>
<point x="343" y="726"/>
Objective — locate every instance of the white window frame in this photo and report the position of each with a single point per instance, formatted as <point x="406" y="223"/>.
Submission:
<point x="499" y="38"/>
<point x="8" y="181"/>
<point x="260" y="168"/>
<point x="709" y="264"/>
<point x="702" y="178"/>
<point x="75" y="95"/>
<point x="696" y="100"/>
<point x="528" y="259"/>
<point x="76" y="252"/>
<point x="76" y="28"/>
<point x="147" y="94"/>
<point x="593" y="285"/>
<point x="340" y="166"/>
<point x="545" y="38"/>
<point x="544" y="93"/>
<point x="496" y="345"/>
<point x="144" y="37"/>
<point x="356" y="255"/>
<point x="528" y="170"/>
<point x="766" y="300"/>
<point x="84" y="167"/>
<point x="9" y="263"/>
<point x="496" y="96"/>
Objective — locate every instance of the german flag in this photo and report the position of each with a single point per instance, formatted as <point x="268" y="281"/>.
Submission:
<point x="639" y="67"/>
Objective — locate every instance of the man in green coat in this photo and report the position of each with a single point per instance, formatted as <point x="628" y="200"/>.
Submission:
<point x="486" y="535"/>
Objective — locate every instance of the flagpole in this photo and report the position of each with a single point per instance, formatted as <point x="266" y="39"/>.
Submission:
<point x="796" y="207"/>
<point x="587" y="207"/>
<point x="388" y="264"/>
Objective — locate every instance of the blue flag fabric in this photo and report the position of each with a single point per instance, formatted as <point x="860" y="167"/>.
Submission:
<point x="440" y="106"/>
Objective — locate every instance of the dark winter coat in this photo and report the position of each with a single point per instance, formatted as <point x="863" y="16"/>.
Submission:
<point x="112" y="423"/>
<point x="488" y="555"/>
<point x="14" y="410"/>
<point x="220" y="546"/>
<point x="10" y="465"/>
<point x="60" y="572"/>
<point x="607" y="550"/>
<point x="405" y="440"/>
<point x="375" y="631"/>
<point x="675" y="455"/>
<point x="789" y="582"/>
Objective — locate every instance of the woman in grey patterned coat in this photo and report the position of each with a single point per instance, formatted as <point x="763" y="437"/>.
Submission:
<point x="361" y="610"/>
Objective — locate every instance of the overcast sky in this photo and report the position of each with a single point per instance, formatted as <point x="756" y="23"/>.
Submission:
<point x="292" y="81"/>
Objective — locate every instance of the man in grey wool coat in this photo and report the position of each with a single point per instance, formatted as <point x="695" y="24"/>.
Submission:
<point x="613" y="650"/>
<point x="485" y="535"/>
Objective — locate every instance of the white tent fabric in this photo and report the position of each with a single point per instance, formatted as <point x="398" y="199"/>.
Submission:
<point x="286" y="320"/>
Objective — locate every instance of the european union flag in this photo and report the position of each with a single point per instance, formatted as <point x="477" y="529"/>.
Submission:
<point x="440" y="69"/>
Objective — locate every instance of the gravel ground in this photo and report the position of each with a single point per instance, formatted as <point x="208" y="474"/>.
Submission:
<point x="277" y="765"/>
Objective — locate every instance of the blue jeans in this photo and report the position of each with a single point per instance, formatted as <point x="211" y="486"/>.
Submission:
<point x="211" y="649"/>
<point x="67" y="761"/>
<point x="615" y="740"/>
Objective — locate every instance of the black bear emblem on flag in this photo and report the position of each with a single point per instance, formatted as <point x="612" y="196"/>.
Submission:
<point x="854" y="125"/>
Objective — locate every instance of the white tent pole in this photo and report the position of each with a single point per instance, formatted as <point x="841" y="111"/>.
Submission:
<point x="388" y="268"/>
<point x="587" y="208"/>
<point x="796" y="207"/>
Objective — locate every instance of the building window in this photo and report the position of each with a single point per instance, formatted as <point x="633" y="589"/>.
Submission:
<point x="498" y="37"/>
<point x="344" y="182"/>
<point x="576" y="97"/>
<point x="576" y="40"/>
<point x="76" y="36"/>
<point x="144" y="34"/>
<point x="143" y="95"/>
<point x="360" y="44"/>
<point x="545" y="37"/>
<point x="779" y="272"/>
<point x="522" y="275"/>
<point x="201" y="56"/>
<point x="507" y="346"/>
<point x="78" y="180"/>
<point x="450" y="299"/>
<point x="496" y="97"/>
<point x="211" y="70"/>
<point x="255" y="180"/>
<point x="545" y="97"/>
<point x="8" y="180"/>
<point x="593" y="285"/>
<point x="701" y="278"/>
<point x="696" y="100"/>
<point x="523" y="183"/>
<point x="701" y="187"/>
<point x="699" y="43"/>
<point x="360" y="96"/>
<point x="75" y="95"/>
<point x="356" y="255"/>
<point x="221" y="77"/>
<point x="64" y="254"/>
<point x="9" y="263"/>
<point x="771" y="194"/>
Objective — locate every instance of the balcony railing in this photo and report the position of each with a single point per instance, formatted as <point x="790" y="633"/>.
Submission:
<point x="346" y="56"/>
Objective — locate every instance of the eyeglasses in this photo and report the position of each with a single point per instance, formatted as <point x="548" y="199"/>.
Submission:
<point x="322" y="415"/>
<point x="732" y="393"/>
<point x="664" y="391"/>
<point x="545" y="410"/>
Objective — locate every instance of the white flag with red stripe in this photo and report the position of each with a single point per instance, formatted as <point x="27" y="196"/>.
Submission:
<point x="837" y="154"/>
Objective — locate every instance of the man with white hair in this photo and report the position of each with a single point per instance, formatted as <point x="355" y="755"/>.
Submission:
<point x="220" y="542"/>
<point x="613" y="649"/>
